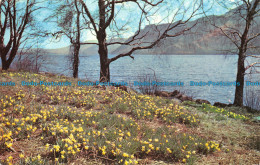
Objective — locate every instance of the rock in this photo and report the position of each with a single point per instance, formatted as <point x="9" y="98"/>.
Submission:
<point x="48" y="74"/>
<point x="174" y="93"/>
<point x="222" y="105"/>
<point x="200" y="101"/>
<point x="178" y="96"/>
<point x="100" y="86"/>
<point x="157" y="93"/>
<point x="185" y="98"/>
<point x="162" y="94"/>
<point x="251" y="110"/>
<point x="165" y="94"/>
<point x="124" y="88"/>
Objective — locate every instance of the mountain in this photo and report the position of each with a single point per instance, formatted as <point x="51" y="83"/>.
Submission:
<point x="204" y="38"/>
<point x="87" y="49"/>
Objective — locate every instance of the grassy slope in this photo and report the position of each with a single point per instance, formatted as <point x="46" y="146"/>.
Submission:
<point x="95" y="125"/>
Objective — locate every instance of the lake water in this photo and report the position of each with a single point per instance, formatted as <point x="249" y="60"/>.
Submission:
<point x="168" y="68"/>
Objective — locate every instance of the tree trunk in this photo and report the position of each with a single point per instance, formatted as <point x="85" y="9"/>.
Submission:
<point x="11" y="56"/>
<point x="102" y="44"/>
<point x="5" y="65"/>
<point x="240" y="78"/>
<point x="104" y="63"/>
<point x="242" y="55"/>
<point x="76" y="61"/>
<point x="77" y="44"/>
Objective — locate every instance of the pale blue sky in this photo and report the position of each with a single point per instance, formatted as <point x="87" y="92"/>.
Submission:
<point x="129" y="13"/>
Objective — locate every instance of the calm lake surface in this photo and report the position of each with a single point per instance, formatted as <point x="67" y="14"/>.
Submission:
<point x="168" y="68"/>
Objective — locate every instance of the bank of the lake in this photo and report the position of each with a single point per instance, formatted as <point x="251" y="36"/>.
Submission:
<point x="167" y="68"/>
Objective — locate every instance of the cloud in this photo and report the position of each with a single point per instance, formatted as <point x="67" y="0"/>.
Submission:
<point x="87" y="35"/>
<point x="155" y="19"/>
<point x="52" y="43"/>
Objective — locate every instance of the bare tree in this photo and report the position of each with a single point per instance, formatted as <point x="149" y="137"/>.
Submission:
<point x="69" y="21"/>
<point x="15" y="19"/>
<point x="242" y="29"/>
<point x="105" y="22"/>
<point x="28" y="58"/>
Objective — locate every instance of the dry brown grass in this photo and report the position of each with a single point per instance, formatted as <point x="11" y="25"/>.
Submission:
<point x="233" y="135"/>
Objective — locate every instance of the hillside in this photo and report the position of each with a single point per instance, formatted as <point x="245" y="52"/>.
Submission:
<point x="85" y="49"/>
<point x="67" y="124"/>
<point x="202" y="39"/>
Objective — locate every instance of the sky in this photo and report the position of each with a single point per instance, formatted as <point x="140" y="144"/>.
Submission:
<point x="127" y="16"/>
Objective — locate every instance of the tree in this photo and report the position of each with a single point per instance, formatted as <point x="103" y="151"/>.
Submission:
<point x="69" y="25"/>
<point x="15" y="18"/>
<point x="76" y="44"/>
<point x="105" y="22"/>
<point x="243" y="33"/>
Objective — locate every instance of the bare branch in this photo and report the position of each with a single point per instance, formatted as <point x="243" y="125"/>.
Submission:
<point x="251" y="65"/>
<point x="159" y="38"/>
<point x="111" y="15"/>
<point x="136" y="1"/>
<point x="135" y="35"/>
<point x="254" y="56"/>
<point x="89" y="16"/>
<point x="253" y="37"/>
